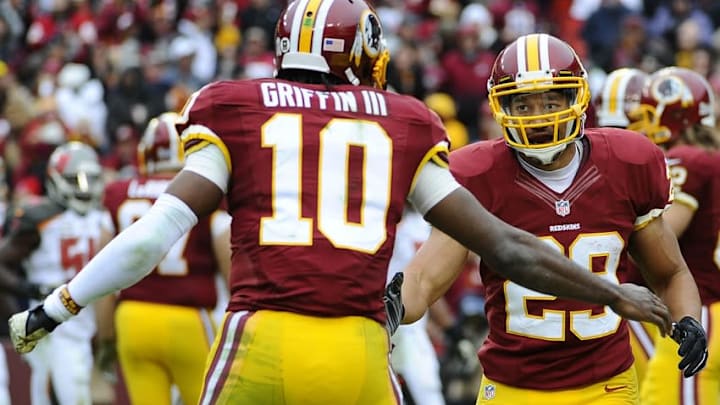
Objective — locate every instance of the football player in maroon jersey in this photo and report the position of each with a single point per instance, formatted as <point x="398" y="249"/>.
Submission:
<point x="678" y="113"/>
<point x="316" y="166"/>
<point x="179" y="293"/>
<point x="618" y="105"/>
<point x="591" y="194"/>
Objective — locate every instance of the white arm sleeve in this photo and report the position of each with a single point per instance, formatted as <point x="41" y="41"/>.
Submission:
<point x="209" y="162"/>
<point x="432" y="185"/>
<point x="129" y="257"/>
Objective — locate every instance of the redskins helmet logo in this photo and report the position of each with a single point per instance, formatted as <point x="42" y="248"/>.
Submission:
<point x="368" y="38"/>
<point x="671" y="90"/>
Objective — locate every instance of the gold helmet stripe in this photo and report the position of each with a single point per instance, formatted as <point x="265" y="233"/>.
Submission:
<point x="614" y="90"/>
<point x="296" y="24"/>
<point x="309" y="17"/>
<point x="532" y="52"/>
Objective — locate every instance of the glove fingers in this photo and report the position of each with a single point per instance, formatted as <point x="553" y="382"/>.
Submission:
<point x="688" y="343"/>
<point x="690" y="371"/>
<point x="393" y="304"/>
<point x="693" y="358"/>
<point x="395" y="285"/>
<point x="692" y="354"/>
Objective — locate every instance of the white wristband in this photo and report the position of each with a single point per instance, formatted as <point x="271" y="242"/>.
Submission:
<point x="54" y="307"/>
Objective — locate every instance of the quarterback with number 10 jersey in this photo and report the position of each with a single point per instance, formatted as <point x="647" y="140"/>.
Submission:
<point x="538" y="341"/>
<point x="319" y="178"/>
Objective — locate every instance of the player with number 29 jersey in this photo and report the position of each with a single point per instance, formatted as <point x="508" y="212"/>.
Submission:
<point x="538" y="341"/>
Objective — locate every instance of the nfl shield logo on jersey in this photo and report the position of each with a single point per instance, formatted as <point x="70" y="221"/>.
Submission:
<point x="562" y="207"/>
<point x="489" y="391"/>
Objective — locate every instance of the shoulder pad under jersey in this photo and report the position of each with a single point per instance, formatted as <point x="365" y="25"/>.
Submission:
<point x="625" y="145"/>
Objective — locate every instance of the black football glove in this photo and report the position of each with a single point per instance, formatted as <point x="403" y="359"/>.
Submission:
<point x="691" y="337"/>
<point x="393" y="303"/>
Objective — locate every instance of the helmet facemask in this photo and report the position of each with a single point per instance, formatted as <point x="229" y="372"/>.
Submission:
<point x="535" y="64"/>
<point x="565" y="125"/>
<point x="674" y="100"/>
<point x="647" y="122"/>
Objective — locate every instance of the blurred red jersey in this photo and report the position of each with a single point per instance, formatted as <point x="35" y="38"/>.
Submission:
<point x="319" y="178"/>
<point x="696" y="176"/>
<point x="186" y="276"/>
<point x="538" y="341"/>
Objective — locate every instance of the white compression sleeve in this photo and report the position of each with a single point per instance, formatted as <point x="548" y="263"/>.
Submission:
<point x="433" y="184"/>
<point x="209" y="163"/>
<point x="129" y="257"/>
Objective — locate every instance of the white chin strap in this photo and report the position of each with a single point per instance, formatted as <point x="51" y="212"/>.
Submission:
<point x="544" y="155"/>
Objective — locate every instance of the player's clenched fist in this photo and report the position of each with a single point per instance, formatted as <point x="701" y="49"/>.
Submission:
<point x="692" y="339"/>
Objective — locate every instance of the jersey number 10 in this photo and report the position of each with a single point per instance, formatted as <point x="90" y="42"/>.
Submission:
<point x="284" y="134"/>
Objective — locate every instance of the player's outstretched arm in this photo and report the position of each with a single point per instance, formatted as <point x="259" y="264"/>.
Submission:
<point x="526" y="260"/>
<point x="656" y="250"/>
<point x="129" y="257"/>
<point x="430" y="273"/>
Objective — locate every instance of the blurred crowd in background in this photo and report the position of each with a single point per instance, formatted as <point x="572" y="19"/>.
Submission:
<point x="99" y="70"/>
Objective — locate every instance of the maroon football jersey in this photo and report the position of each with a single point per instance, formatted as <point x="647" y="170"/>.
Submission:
<point x="696" y="174"/>
<point x="319" y="179"/>
<point x="186" y="276"/>
<point x="538" y="341"/>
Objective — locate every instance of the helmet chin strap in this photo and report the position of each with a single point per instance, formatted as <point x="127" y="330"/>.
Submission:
<point x="549" y="154"/>
<point x="544" y="155"/>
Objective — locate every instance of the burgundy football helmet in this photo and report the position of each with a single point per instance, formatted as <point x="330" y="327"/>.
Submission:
<point x="618" y="102"/>
<point x="160" y="148"/>
<point x="340" y="37"/>
<point x="538" y="63"/>
<point x="675" y="98"/>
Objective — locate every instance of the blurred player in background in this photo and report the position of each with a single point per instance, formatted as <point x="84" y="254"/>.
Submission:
<point x="179" y="294"/>
<point x="52" y="239"/>
<point x="678" y="113"/>
<point x="618" y="105"/>
<point x="592" y="194"/>
<point x="316" y="166"/>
